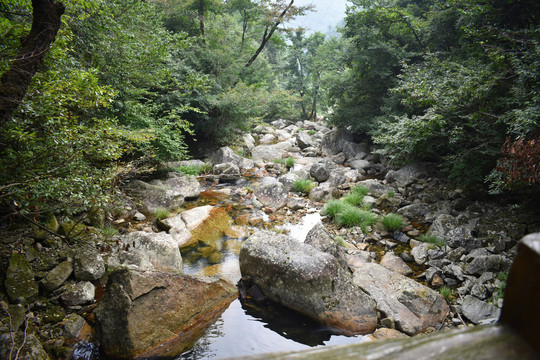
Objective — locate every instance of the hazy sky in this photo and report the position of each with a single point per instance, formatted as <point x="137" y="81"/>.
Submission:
<point x="328" y="13"/>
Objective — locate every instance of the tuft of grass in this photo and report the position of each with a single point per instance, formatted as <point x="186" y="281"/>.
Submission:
<point x="499" y="291"/>
<point x="289" y="163"/>
<point x="340" y="241"/>
<point x="447" y="293"/>
<point x="360" y="189"/>
<point x="354" y="199"/>
<point x="432" y="240"/>
<point x="162" y="214"/>
<point x="109" y="231"/>
<point x="333" y="208"/>
<point x="194" y="169"/>
<point x="366" y="207"/>
<point x="279" y="161"/>
<point x="353" y="216"/>
<point x="311" y="132"/>
<point x="392" y="222"/>
<point x="390" y="193"/>
<point x="303" y="186"/>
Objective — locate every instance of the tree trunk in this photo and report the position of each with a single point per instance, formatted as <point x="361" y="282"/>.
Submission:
<point x="201" y="18"/>
<point x="313" y="115"/>
<point x="268" y="34"/>
<point x="15" y="81"/>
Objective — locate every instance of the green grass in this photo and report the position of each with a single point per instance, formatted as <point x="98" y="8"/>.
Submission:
<point x="162" y="214"/>
<point x="428" y="238"/>
<point x="279" y="161"/>
<point x="289" y="163"/>
<point x="311" y="132"/>
<point x="390" y="193"/>
<point x="333" y="208"/>
<point x="499" y="291"/>
<point x="303" y="186"/>
<point x="360" y="189"/>
<point x="340" y="241"/>
<point x="353" y="198"/>
<point x="353" y="216"/>
<point x="447" y="293"/>
<point x="194" y="169"/>
<point x="109" y="231"/>
<point x="392" y="222"/>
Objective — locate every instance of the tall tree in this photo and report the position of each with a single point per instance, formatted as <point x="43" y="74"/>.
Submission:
<point x="14" y="82"/>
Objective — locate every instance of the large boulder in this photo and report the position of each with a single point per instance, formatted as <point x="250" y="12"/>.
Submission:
<point x="141" y="310"/>
<point x="274" y="195"/>
<point x="319" y="238"/>
<point x="152" y="197"/>
<point x="303" y="140"/>
<point x="148" y="251"/>
<point x="307" y="280"/>
<point x="195" y="217"/>
<point x="321" y="171"/>
<point x="226" y="172"/>
<point x="227" y="155"/>
<point x="271" y="152"/>
<point x="185" y="185"/>
<point x="407" y="174"/>
<point x="177" y="228"/>
<point x="20" y="284"/>
<point x="414" y="306"/>
<point x="334" y="141"/>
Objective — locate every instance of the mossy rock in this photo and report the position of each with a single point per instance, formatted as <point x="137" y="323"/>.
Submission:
<point x="20" y="282"/>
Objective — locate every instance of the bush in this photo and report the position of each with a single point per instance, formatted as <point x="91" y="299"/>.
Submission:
<point x="393" y="221"/>
<point x="194" y="169"/>
<point x="333" y="208"/>
<point x="303" y="186"/>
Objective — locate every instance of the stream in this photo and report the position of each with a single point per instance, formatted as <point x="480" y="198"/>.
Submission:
<point x="246" y="328"/>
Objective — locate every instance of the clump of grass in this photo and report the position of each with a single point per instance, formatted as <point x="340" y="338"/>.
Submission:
<point x="194" y="169"/>
<point x="162" y="214"/>
<point x="432" y="239"/>
<point x="447" y="293"/>
<point x="366" y="207"/>
<point x="353" y="216"/>
<point x="303" y="186"/>
<point x="109" y="231"/>
<point x="333" y="208"/>
<point x="311" y="132"/>
<point x="354" y="199"/>
<point x="289" y="163"/>
<point x="360" y="189"/>
<point x="390" y="193"/>
<point x="279" y="161"/>
<point x="392" y="222"/>
<point x="340" y="241"/>
<point x="499" y="291"/>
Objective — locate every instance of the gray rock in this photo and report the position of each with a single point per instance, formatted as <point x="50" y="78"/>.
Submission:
<point x="334" y="141"/>
<point x="88" y="264"/>
<point x="297" y="203"/>
<point x="73" y="325"/>
<point x="414" y="211"/>
<point x="280" y="123"/>
<point x="186" y="186"/>
<point x="395" y="264"/>
<point x="148" y="251"/>
<point x="307" y="280"/>
<point x="481" y="264"/>
<point x="478" y="311"/>
<point x="360" y="164"/>
<point x="20" y="284"/>
<point x="282" y="135"/>
<point x="288" y="180"/>
<point x="320" y="193"/>
<point x="267" y="139"/>
<point x="271" y="152"/>
<point x="177" y="228"/>
<point x="226" y="172"/>
<point x="172" y="303"/>
<point x="227" y="155"/>
<point x="352" y="150"/>
<point x="273" y="195"/>
<point x="249" y="141"/>
<point x="303" y="140"/>
<point x="81" y="293"/>
<point x="153" y="197"/>
<point x="407" y="175"/>
<point x="414" y="307"/>
<point x="57" y="276"/>
<point x="320" y="171"/>
<point x="195" y="217"/>
<point x="420" y="254"/>
<point x="139" y="216"/>
<point x="376" y="187"/>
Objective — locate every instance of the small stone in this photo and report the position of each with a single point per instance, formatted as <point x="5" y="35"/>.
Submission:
<point x="81" y="293"/>
<point x="73" y="325"/>
<point x="437" y="281"/>
<point x="139" y="216"/>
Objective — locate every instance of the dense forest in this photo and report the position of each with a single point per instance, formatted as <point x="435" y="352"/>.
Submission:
<point x="94" y="91"/>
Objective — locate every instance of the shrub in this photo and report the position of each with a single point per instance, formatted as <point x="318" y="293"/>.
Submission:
<point x="333" y="208"/>
<point x="162" y="213"/>
<point x="303" y="186"/>
<point x="392" y="221"/>
<point x="194" y="169"/>
<point x="432" y="240"/>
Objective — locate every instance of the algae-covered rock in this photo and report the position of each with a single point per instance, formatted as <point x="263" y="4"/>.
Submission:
<point x="31" y="350"/>
<point x="57" y="276"/>
<point x="20" y="284"/>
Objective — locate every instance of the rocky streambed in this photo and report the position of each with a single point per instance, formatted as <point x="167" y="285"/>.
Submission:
<point x="154" y="289"/>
